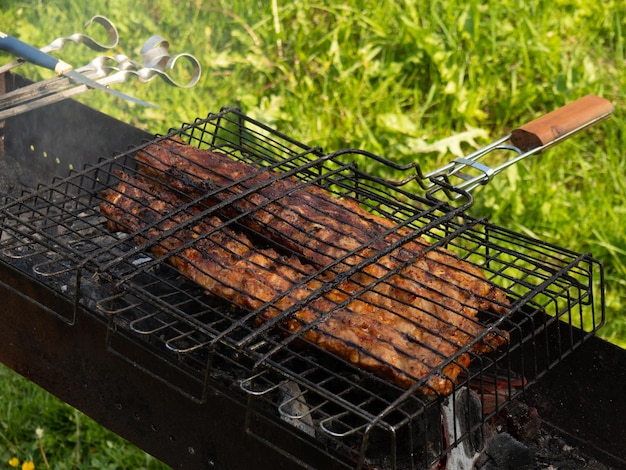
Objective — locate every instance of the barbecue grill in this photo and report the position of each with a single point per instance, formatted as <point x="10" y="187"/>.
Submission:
<point x="95" y="317"/>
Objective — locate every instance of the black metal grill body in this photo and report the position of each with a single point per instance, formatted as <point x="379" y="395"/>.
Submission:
<point x="141" y="359"/>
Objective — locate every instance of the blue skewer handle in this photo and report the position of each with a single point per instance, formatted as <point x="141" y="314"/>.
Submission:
<point x="35" y="56"/>
<point x="32" y="54"/>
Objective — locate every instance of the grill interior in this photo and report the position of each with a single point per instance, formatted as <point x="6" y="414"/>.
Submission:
<point x="57" y="236"/>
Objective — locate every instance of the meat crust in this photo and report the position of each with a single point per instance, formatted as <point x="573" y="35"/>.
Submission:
<point x="430" y="284"/>
<point x="229" y="265"/>
<point x="401" y="312"/>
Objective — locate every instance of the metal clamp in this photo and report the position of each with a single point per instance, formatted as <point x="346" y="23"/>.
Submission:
<point x="466" y="173"/>
<point x="529" y="139"/>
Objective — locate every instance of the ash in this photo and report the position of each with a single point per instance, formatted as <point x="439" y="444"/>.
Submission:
<point x="517" y="438"/>
<point x="10" y="176"/>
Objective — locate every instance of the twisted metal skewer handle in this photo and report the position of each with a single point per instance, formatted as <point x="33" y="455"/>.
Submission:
<point x="156" y="61"/>
<point x="104" y="70"/>
<point x="91" y="43"/>
<point x="77" y="38"/>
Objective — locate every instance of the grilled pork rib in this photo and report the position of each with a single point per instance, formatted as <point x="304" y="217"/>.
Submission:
<point x="402" y="315"/>
<point x="228" y="265"/>
<point x="434" y="285"/>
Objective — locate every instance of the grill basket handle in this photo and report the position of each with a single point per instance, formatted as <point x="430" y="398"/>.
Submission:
<point x="468" y="172"/>
<point x="561" y="123"/>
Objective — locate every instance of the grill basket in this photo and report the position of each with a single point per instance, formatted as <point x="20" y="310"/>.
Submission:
<point x="57" y="236"/>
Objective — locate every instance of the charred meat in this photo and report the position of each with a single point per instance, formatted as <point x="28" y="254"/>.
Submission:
<point x="398" y="306"/>
<point x="328" y="231"/>
<point x="228" y="265"/>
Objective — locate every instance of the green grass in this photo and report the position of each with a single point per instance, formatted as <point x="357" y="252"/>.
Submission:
<point x="394" y="78"/>
<point x="70" y="439"/>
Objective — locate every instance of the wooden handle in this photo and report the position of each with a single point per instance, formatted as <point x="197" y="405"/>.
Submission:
<point x="561" y="122"/>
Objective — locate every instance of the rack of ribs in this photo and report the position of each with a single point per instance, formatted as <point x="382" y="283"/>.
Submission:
<point x="402" y="349"/>
<point x="323" y="229"/>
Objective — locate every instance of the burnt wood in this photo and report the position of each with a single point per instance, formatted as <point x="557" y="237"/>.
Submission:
<point x="584" y="398"/>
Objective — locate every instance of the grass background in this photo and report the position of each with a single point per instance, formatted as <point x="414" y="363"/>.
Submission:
<point x="396" y="78"/>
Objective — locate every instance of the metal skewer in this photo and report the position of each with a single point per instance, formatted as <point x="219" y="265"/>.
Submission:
<point x="37" y="57"/>
<point x="77" y="38"/>
<point x="105" y="71"/>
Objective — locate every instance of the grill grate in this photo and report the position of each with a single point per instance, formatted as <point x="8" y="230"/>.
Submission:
<point x="57" y="235"/>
